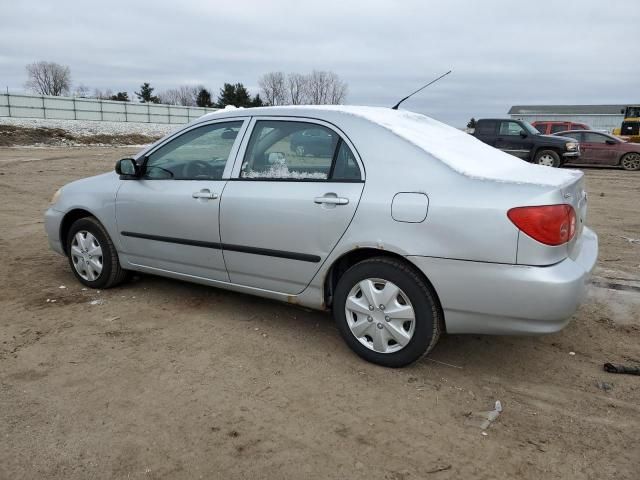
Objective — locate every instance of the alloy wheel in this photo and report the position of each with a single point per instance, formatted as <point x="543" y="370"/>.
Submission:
<point x="631" y="161"/>
<point x="546" y="160"/>
<point x="380" y="315"/>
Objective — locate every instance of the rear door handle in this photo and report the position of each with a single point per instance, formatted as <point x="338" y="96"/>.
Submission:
<point x="331" y="200"/>
<point x="205" y="194"/>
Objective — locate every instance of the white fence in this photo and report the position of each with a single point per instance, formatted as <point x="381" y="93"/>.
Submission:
<point x="71" y="108"/>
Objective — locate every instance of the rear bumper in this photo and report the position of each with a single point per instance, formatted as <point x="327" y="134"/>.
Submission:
<point x="52" y="221"/>
<point x="490" y="298"/>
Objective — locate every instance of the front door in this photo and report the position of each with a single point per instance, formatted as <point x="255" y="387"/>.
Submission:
<point x="594" y="149"/>
<point x="288" y="203"/>
<point x="168" y="219"/>
<point x="513" y="139"/>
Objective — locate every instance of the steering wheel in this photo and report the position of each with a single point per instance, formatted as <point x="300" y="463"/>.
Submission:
<point x="197" y="169"/>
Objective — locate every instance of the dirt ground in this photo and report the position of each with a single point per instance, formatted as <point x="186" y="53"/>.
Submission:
<point x="163" y="379"/>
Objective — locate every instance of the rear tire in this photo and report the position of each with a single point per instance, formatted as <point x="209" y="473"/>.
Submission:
<point x="92" y="256"/>
<point x="548" y="158"/>
<point x="630" y="161"/>
<point x="402" y="327"/>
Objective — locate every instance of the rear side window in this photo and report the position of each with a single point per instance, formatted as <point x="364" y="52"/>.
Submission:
<point x="286" y="150"/>
<point x="346" y="166"/>
<point x="486" y="127"/>
<point x="577" y="126"/>
<point x="558" y="127"/>
<point x="575" y="135"/>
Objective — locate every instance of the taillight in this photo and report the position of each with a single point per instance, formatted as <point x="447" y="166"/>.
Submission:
<point x="548" y="224"/>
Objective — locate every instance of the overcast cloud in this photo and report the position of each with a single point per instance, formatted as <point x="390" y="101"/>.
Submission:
<point x="501" y="52"/>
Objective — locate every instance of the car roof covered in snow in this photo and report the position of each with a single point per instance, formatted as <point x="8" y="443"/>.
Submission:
<point x="460" y="151"/>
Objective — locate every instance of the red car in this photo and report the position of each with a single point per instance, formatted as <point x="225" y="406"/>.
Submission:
<point x="549" y="127"/>
<point x="603" y="149"/>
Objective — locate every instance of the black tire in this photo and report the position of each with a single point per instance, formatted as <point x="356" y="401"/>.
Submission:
<point x="428" y="314"/>
<point x="112" y="274"/>
<point x="630" y="162"/>
<point x="556" y="161"/>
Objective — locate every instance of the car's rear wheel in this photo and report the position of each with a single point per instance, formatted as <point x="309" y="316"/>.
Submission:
<point x="92" y="255"/>
<point x="386" y="312"/>
<point x="631" y="161"/>
<point x="548" y="158"/>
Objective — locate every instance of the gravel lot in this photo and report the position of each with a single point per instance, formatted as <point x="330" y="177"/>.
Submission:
<point x="162" y="379"/>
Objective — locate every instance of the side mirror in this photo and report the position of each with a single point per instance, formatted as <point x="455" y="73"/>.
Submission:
<point x="609" y="141"/>
<point x="127" y="168"/>
<point x="524" y="134"/>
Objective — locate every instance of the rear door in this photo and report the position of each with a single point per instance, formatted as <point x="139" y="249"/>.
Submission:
<point x="285" y="207"/>
<point x="168" y="219"/>
<point x="511" y="140"/>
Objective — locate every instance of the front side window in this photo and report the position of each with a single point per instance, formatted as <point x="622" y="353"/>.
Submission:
<point x="575" y="135"/>
<point x="289" y="151"/>
<point x="199" y="154"/>
<point x="510" y="129"/>
<point x="595" y="138"/>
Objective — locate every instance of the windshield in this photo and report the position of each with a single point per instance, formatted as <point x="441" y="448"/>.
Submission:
<point x="530" y="128"/>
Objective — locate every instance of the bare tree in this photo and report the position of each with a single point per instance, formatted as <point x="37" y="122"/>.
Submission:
<point x="273" y="88"/>
<point x="326" y="88"/>
<point x="48" y="78"/>
<point x="102" y="95"/>
<point x="297" y="89"/>
<point x="81" y="91"/>
<point x="185" y="95"/>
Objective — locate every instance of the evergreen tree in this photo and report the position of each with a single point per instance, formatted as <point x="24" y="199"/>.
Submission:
<point x="472" y="123"/>
<point x="257" y="101"/>
<point x="145" y="95"/>
<point x="120" y="97"/>
<point x="204" y="98"/>
<point x="236" y="95"/>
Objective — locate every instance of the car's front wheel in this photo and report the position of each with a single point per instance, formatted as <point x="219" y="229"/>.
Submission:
<point x="92" y="255"/>
<point x="548" y="158"/>
<point x="386" y="312"/>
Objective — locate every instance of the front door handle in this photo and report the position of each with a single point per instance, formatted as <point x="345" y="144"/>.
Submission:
<point x="206" y="194"/>
<point x="331" y="200"/>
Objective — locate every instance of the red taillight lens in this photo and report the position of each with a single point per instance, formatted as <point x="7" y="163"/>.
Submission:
<point x="548" y="224"/>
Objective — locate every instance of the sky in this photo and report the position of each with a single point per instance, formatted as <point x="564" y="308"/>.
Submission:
<point x="502" y="53"/>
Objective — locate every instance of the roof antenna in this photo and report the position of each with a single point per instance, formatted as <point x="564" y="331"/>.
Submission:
<point x="395" y="107"/>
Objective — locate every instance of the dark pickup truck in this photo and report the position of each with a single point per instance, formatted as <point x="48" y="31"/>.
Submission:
<point x="521" y="139"/>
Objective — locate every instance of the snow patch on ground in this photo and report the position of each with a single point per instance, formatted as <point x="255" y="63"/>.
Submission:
<point x="89" y="127"/>
<point x="459" y="150"/>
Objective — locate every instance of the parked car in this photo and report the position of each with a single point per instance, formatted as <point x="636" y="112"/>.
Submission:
<point x="603" y="149"/>
<point x="409" y="229"/>
<point x="522" y="140"/>
<point x="549" y="127"/>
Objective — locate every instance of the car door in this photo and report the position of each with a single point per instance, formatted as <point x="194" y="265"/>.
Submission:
<point x="284" y="209"/>
<point x="513" y="139"/>
<point x="595" y="149"/>
<point x="168" y="218"/>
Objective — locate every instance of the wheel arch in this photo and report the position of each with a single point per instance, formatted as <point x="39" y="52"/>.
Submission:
<point x="69" y="218"/>
<point x="348" y="259"/>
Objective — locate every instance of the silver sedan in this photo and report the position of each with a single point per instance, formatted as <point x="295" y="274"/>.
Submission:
<point x="404" y="227"/>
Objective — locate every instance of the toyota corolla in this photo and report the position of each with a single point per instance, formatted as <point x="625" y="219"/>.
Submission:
<point x="402" y="226"/>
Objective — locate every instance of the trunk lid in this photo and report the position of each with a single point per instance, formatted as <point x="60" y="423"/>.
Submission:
<point x="574" y="194"/>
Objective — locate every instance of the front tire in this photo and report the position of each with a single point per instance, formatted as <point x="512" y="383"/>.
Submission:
<point x="631" y="161"/>
<point x="92" y="256"/>
<point x="548" y="158"/>
<point x="386" y="312"/>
